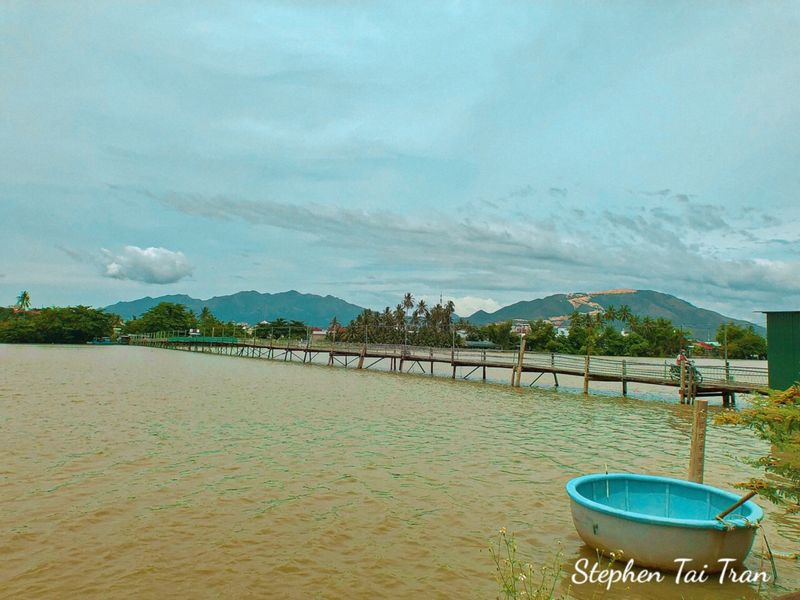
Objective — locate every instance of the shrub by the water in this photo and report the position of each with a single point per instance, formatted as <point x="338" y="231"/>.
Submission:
<point x="56" y="325"/>
<point x="517" y="579"/>
<point x="776" y="419"/>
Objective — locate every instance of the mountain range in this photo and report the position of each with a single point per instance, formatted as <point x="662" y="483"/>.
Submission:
<point x="557" y="308"/>
<point x="253" y="307"/>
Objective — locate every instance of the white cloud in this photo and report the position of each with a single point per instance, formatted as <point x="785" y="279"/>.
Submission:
<point x="149" y="265"/>
<point x="467" y="305"/>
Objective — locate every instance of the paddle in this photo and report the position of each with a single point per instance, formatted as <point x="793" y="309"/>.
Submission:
<point x="733" y="507"/>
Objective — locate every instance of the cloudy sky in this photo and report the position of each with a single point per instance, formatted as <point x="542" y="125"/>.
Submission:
<point x="488" y="152"/>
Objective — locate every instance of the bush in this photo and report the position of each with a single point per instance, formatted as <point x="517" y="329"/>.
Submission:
<point x="776" y="419"/>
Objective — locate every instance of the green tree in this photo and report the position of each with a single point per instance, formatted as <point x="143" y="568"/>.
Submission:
<point x="499" y="334"/>
<point x="166" y="316"/>
<point x="541" y="337"/>
<point x="57" y="325"/>
<point x="24" y="300"/>
<point x="208" y="323"/>
<point x="427" y="327"/>
<point x="743" y="342"/>
<point x="610" y="314"/>
<point x="624" y="313"/>
<point x="776" y="419"/>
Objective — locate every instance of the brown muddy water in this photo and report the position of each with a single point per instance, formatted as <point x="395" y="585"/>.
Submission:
<point x="142" y="473"/>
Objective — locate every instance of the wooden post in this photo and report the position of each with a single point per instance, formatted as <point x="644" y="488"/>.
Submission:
<point x="484" y="372"/>
<point x="361" y="357"/>
<point x="586" y="375"/>
<point x="454" y="372"/>
<point x="697" y="452"/>
<point x="513" y="374"/>
<point x="624" y="378"/>
<point x="682" y="391"/>
<point x="520" y="359"/>
<point x="690" y="385"/>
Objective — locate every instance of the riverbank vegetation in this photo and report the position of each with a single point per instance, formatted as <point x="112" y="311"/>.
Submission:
<point x="776" y="419"/>
<point x="517" y="579"/>
<point x="615" y="332"/>
<point x="618" y="332"/>
<point x="410" y="322"/>
<point x="170" y="316"/>
<point x="55" y="325"/>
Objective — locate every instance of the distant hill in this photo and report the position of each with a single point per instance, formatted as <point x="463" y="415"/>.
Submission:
<point x="253" y="307"/>
<point x="646" y="303"/>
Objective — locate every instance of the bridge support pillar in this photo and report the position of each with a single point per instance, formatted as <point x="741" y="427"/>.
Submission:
<point x="586" y="375"/>
<point x="624" y="380"/>
<point x="361" y="357"/>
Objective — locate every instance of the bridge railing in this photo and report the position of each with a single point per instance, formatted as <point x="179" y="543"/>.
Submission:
<point x="601" y="366"/>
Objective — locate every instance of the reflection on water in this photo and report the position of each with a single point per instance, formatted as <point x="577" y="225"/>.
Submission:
<point x="133" y="472"/>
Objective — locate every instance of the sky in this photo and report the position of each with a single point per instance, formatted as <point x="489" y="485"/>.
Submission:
<point x="485" y="152"/>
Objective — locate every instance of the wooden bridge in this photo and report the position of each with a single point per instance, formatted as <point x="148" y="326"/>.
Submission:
<point x="704" y="380"/>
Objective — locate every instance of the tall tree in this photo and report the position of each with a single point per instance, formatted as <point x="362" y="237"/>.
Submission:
<point x="610" y="314"/>
<point x="408" y="301"/>
<point x="624" y="313"/>
<point x="166" y="316"/>
<point x="743" y="342"/>
<point x="24" y="300"/>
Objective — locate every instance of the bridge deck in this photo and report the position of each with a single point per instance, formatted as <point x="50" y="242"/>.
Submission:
<point x="709" y="379"/>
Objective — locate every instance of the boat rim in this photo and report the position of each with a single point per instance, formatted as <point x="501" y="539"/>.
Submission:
<point x="739" y="522"/>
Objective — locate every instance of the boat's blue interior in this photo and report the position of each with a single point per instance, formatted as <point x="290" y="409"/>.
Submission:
<point x="662" y="497"/>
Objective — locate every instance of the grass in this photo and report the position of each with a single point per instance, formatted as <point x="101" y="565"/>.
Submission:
<point x="517" y="579"/>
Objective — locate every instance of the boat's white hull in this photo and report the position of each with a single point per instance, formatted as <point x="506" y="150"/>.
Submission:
<point x="658" y="546"/>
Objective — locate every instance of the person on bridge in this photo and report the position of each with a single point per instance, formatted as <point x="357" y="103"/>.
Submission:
<point x="682" y="358"/>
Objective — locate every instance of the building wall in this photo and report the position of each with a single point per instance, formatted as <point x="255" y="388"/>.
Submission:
<point x="783" y="347"/>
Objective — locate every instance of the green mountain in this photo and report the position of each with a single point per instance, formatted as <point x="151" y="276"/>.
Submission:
<point x="253" y="307"/>
<point x="646" y="303"/>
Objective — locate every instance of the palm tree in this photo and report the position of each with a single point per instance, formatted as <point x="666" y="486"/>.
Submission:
<point x="610" y="314"/>
<point x="408" y="301"/>
<point x="24" y="300"/>
<point x="422" y="308"/>
<point x="624" y="313"/>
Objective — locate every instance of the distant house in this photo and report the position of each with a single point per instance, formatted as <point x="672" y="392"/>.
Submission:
<point x="704" y="345"/>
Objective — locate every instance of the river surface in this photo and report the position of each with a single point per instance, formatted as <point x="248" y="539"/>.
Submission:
<point x="143" y="473"/>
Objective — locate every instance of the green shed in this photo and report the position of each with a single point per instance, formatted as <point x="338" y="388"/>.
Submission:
<point x="783" y="348"/>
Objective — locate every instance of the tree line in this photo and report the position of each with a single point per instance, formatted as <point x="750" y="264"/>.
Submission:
<point x="411" y="322"/>
<point x="599" y="334"/>
<point x="53" y="325"/>
<point x="170" y="316"/>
